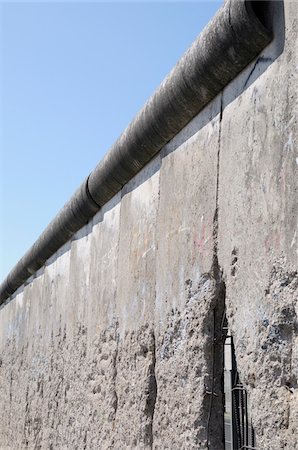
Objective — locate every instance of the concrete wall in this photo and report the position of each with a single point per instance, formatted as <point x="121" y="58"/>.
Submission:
<point x="115" y="342"/>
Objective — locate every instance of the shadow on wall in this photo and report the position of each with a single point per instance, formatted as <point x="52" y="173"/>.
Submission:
<point x="276" y="18"/>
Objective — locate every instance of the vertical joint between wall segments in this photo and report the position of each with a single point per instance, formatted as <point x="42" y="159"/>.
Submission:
<point x="215" y="268"/>
<point x="215" y="406"/>
<point x="152" y="392"/>
<point x="215" y="414"/>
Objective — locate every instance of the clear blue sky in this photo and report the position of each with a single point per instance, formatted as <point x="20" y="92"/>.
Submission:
<point x="72" y="76"/>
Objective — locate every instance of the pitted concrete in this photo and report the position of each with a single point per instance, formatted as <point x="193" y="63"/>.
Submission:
<point x="116" y="342"/>
<point x="258" y="233"/>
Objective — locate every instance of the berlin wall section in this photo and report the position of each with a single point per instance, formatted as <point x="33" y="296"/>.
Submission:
<point x="95" y="350"/>
<point x="111" y="344"/>
<point x="258" y="231"/>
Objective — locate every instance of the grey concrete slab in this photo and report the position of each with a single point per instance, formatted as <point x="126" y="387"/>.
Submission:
<point x="258" y="232"/>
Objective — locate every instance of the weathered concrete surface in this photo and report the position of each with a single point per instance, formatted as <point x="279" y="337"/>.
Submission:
<point x="87" y="335"/>
<point x="137" y="249"/>
<point x="51" y="367"/>
<point x="258" y="234"/>
<point x="136" y="384"/>
<point x="116" y="343"/>
<point x="188" y="184"/>
<point x="186" y="290"/>
<point x="189" y="352"/>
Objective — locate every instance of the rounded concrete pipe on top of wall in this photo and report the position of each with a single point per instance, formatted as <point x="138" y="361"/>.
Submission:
<point x="233" y="38"/>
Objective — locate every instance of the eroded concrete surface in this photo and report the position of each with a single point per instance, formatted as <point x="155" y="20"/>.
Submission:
<point x="258" y="234"/>
<point x="116" y="343"/>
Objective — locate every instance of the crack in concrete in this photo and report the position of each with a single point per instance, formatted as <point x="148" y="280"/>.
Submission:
<point x="153" y="374"/>
<point x="115" y="372"/>
<point x="219" y="307"/>
<point x="260" y="59"/>
<point x="216" y="405"/>
<point x="151" y="401"/>
<point x="215" y="267"/>
<point x="212" y="385"/>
